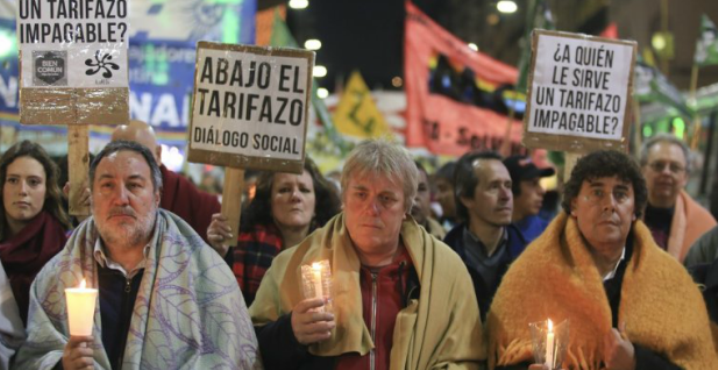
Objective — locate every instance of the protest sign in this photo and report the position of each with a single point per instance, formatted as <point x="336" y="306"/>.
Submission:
<point x="250" y="106"/>
<point x="73" y="61"/>
<point x="579" y="91"/>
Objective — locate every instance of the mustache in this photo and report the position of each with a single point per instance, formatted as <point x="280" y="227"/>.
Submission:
<point x="122" y="212"/>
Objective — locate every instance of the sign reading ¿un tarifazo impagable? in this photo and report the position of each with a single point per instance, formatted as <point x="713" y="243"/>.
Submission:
<point x="579" y="92"/>
<point x="73" y="60"/>
<point x="251" y="106"/>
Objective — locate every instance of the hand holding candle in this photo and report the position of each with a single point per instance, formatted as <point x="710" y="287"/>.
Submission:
<point x="80" y="309"/>
<point x="549" y="343"/>
<point x="317" y="283"/>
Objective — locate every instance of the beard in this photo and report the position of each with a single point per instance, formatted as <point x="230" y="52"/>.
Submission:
<point x="127" y="233"/>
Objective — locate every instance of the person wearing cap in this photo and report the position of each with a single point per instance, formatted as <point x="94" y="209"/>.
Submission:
<point x="528" y="195"/>
<point x="487" y="242"/>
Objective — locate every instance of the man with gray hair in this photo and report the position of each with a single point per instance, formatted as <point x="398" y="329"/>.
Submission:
<point x="401" y="299"/>
<point x="674" y="218"/>
<point x="166" y="300"/>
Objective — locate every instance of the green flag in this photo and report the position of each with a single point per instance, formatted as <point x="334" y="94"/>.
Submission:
<point x="282" y="37"/>
<point x="539" y="16"/>
<point x="650" y="85"/>
<point x="707" y="45"/>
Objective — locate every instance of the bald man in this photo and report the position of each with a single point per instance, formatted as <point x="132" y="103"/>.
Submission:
<point x="179" y="195"/>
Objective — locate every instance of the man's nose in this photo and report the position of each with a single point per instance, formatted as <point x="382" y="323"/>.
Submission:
<point x="122" y="195"/>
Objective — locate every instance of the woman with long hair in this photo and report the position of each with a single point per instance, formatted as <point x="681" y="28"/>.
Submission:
<point x="32" y="221"/>
<point x="285" y="209"/>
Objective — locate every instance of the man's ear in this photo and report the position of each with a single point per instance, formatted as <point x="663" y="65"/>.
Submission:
<point x="158" y="154"/>
<point x="573" y="208"/>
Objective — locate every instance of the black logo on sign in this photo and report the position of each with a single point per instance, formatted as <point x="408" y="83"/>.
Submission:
<point x="101" y="63"/>
<point x="50" y="68"/>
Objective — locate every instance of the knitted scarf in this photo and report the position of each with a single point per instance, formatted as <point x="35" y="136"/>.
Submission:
<point x="556" y="278"/>
<point x="189" y="312"/>
<point x="440" y="330"/>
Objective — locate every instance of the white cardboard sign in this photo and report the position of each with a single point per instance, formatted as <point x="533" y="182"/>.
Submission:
<point x="580" y="86"/>
<point x="73" y="43"/>
<point x="250" y="103"/>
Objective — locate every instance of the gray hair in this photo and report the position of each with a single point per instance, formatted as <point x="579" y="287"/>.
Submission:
<point x="380" y="157"/>
<point x="665" y="138"/>
<point x="122" y="145"/>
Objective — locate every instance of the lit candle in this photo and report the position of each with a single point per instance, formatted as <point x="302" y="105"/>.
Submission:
<point x="550" y="345"/>
<point x="80" y="309"/>
<point x="317" y="271"/>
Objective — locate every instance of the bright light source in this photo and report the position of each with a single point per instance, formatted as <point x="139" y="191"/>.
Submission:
<point x="298" y="4"/>
<point x="319" y="71"/>
<point x="473" y="46"/>
<point x="504" y="6"/>
<point x="397" y="81"/>
<point x="322" y="92"/>
<point x="312" y="44"/>
<point x="658" y="41"/>
<point x="7" y="43"/>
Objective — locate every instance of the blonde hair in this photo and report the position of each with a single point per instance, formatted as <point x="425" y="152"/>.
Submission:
<point x="380" y="157"/>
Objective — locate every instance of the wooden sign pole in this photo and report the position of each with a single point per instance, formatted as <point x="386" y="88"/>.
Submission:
<point x="232" y="200"/>
<point x="78" y="159"/>
<point x="569" y="162"/>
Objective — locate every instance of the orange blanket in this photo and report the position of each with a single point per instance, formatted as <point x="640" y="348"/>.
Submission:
<point x="556" y="278"/>
<point x="690" y="222"/>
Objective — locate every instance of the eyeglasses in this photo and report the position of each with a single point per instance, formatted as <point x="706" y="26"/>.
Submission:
<point x="659" y="166"/>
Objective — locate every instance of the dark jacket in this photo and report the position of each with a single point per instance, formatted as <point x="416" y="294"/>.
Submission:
<point x="484" y="293"/>
<point x="706" y="275"/>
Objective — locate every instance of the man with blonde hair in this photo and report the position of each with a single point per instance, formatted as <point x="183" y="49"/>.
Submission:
<point x="401" y="298"/>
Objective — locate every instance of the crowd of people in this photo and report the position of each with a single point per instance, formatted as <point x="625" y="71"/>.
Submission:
<point x="630" y="260"/>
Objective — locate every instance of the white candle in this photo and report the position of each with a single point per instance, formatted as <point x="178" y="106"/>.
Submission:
<point x="80" y="309"/>
<point x="317" y="271"/>
<point x="550" y="345"/>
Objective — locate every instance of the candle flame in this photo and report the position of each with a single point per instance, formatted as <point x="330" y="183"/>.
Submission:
<point x="316" y="266"/>
<point x="83" y="284"/>
<point x="550" y="326"/>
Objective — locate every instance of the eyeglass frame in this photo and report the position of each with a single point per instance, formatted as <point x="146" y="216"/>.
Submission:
<point x="659" y="165"/>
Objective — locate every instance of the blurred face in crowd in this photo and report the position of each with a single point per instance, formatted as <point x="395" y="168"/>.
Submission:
<point x="445" y="197"/>
<point x="374" y="211"/>
<point x="604" y="211"/>
<point x="124" y="201"/>
<point x="422" y="202"/>
<point x="530" y="200"/>
<point x="293" y="200"/>
<point x="665" y="173"/>
<point x="492" y="203"/>
<point x="24" y="190"/>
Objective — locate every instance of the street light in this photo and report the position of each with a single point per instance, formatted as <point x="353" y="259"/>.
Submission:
<point x="319" y="71"/>
<point x="298" y="4"/>
<point x="312" y="44"/>
<point x="506" y="6"/>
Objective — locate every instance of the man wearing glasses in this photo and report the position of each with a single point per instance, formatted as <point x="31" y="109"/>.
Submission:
<point x="674" y="218"/>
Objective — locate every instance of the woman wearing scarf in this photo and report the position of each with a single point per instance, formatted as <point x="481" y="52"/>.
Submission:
<point x="286" y="208"/>
<point x="32" y="221"/>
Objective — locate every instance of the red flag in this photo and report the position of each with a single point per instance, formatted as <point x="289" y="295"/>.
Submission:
<point x="447" y="85"/>
<point x="610" y="32"/>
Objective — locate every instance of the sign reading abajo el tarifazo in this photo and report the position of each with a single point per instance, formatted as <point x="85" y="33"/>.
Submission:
<point x="73" y="71"/>
<point x="250" y="110"/>
<point x="251" y="106"/>
<point x="578" y="93"/>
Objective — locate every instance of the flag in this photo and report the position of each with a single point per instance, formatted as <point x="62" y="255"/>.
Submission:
<point x="650" y="85"/>
<point x="282" y="37"/>
<point x="538" y="17"/>
<point x="452" y="91"/>
<point x="356" y="114"/>
<point x="611" y="31"/>
<point x="707" y="45"/>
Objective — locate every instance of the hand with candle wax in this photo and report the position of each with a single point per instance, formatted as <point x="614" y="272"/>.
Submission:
<point x="618" y="351"/>
<point x="78" y="353"/>
<point x="308" y="324"/>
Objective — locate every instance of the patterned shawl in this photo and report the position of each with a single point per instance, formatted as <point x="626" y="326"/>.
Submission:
<point x="189" y="312"/>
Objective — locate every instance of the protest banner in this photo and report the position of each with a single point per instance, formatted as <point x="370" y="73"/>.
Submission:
<point x="250" y="110"/>
<point x="73" y="71"/>
<point x="579" y="91"/>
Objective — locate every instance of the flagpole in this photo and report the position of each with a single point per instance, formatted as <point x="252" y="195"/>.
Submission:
<point x="695" y="132"/>
<point x="506" y="145"/>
